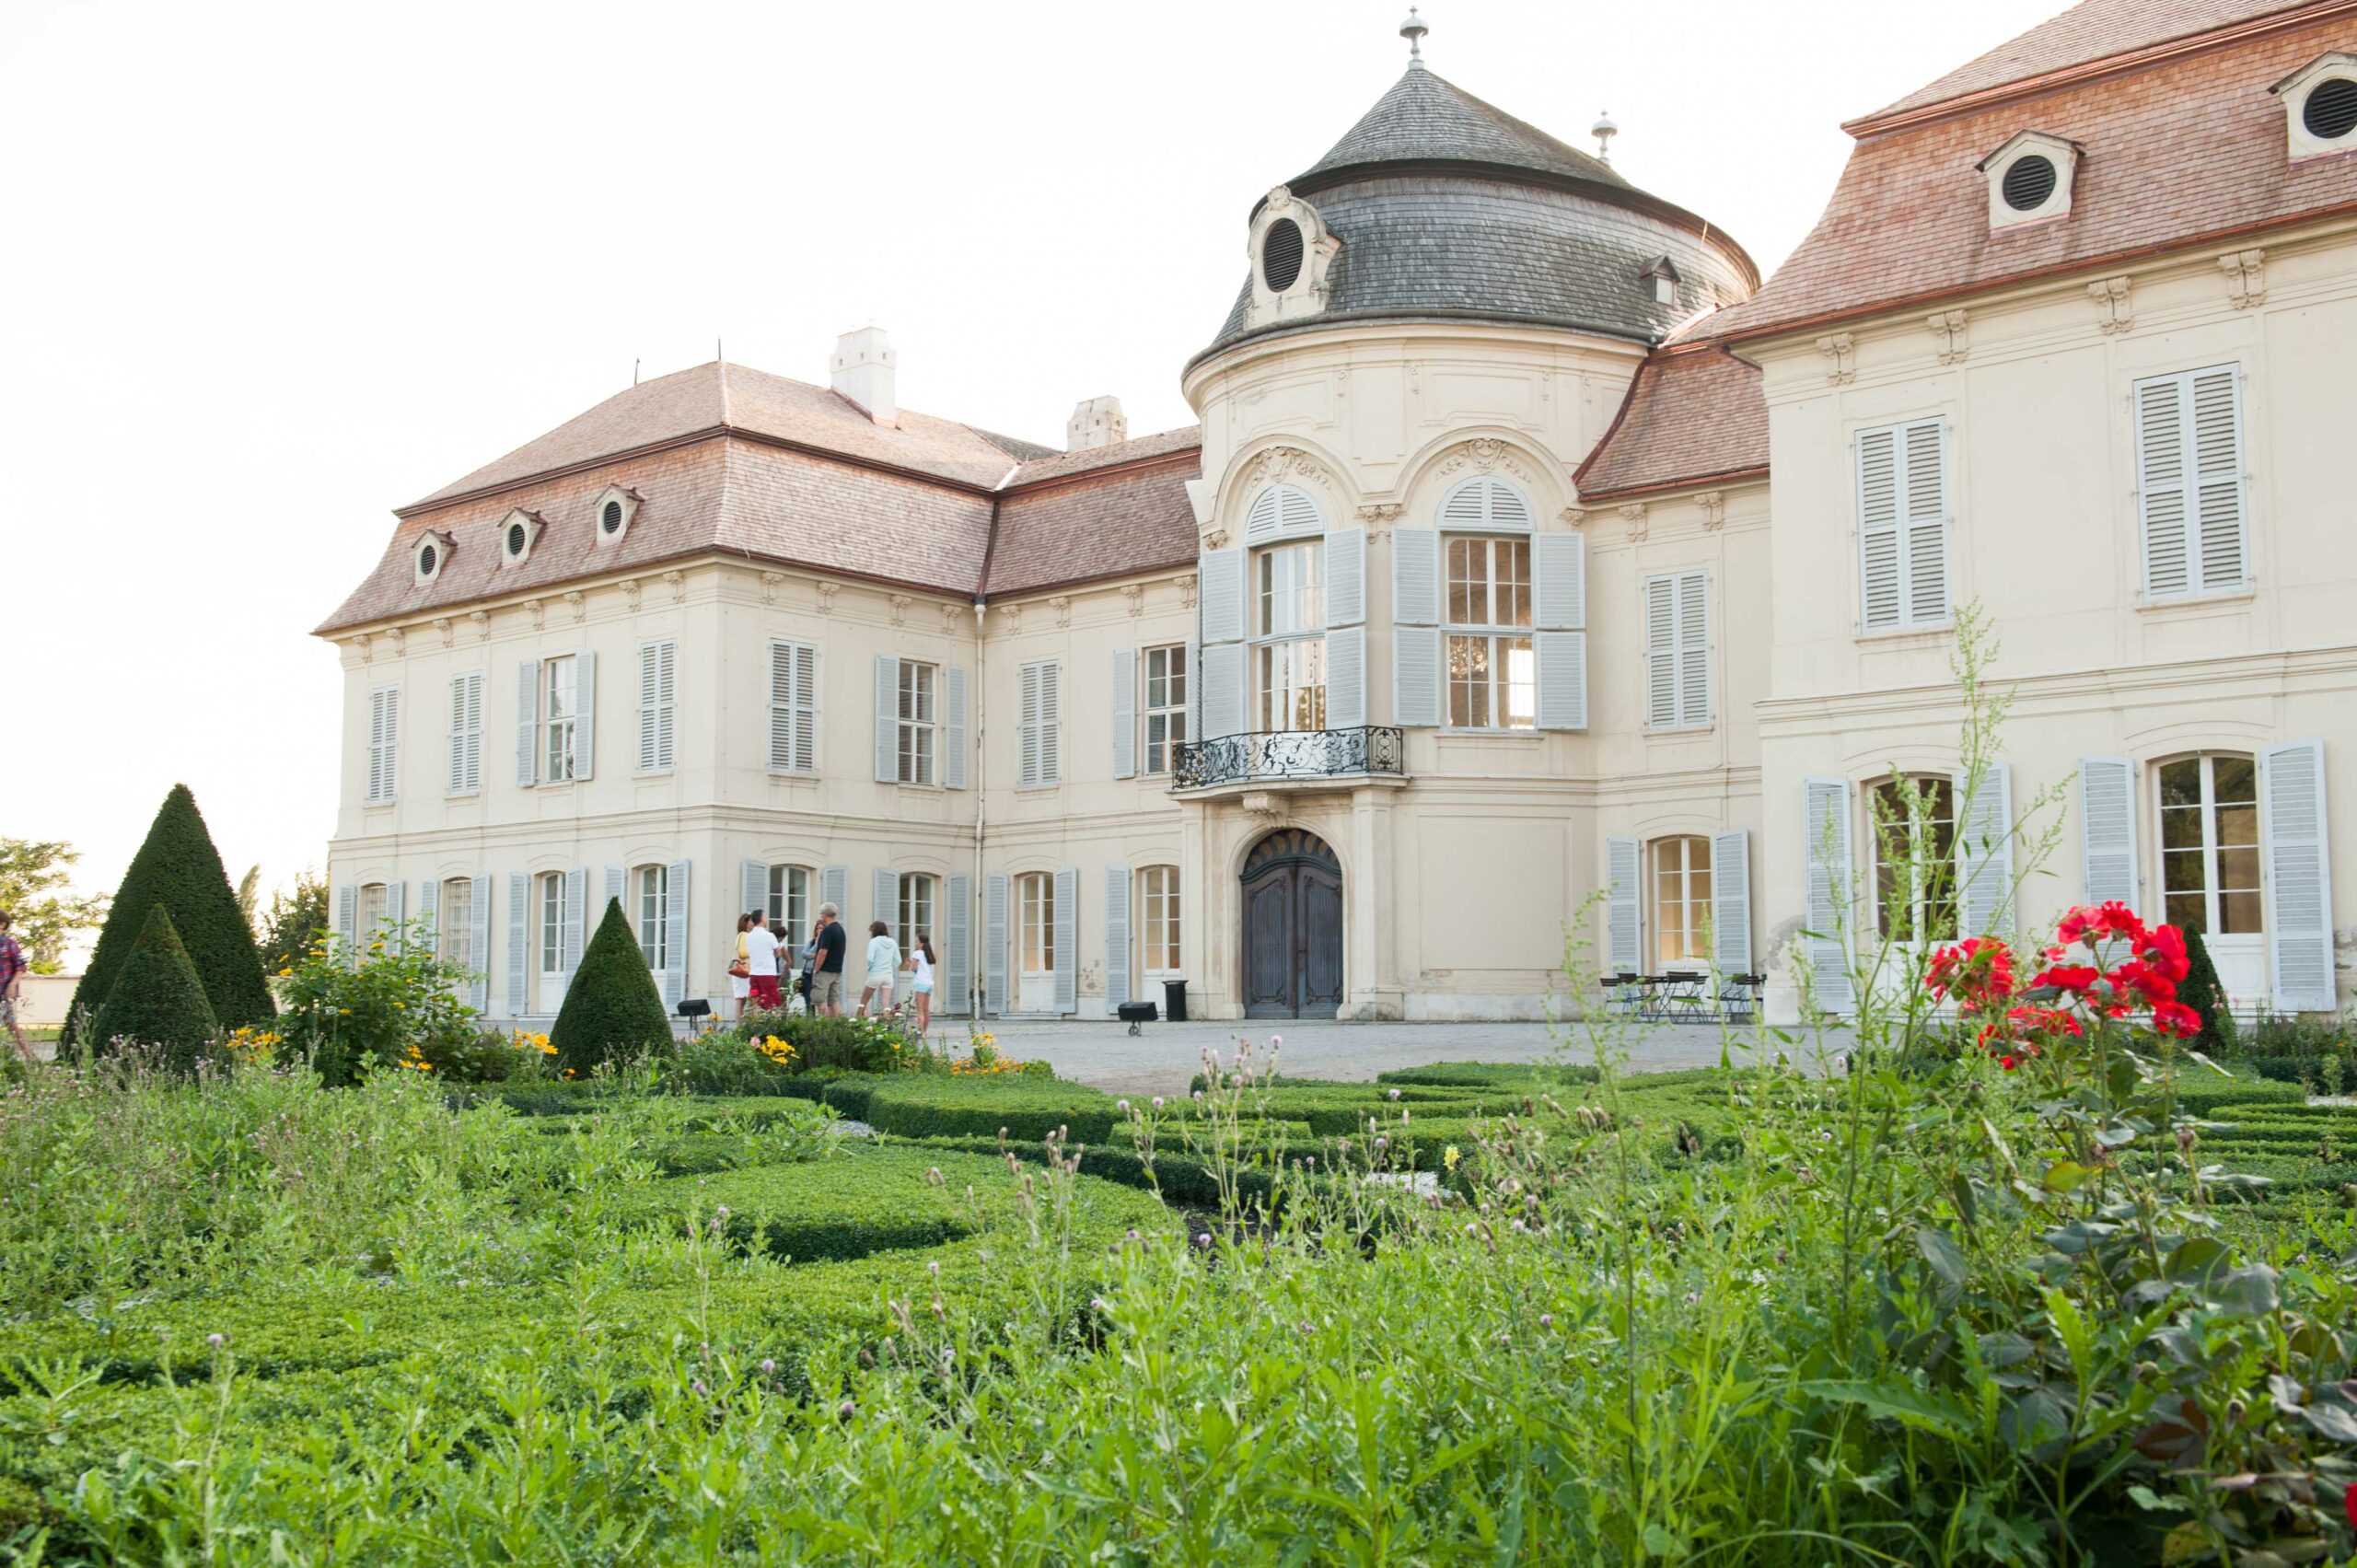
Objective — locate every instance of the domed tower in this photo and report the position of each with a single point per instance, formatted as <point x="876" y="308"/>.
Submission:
<point x="1440" y="319"/>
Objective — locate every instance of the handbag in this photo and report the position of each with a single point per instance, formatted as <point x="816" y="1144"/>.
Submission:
<point x="740" y="970"/>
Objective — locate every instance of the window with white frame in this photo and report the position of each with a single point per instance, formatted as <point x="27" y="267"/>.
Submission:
<point x="2189" y="491"/>
<point x="1910" y="839"/>
<point x="551" y="923"/>
<point x="915" y="914"/>
<point x="2210" y="855"/>
<point x="654" y="916"/>
<point x="466" y="733"/>
<point x="1681" y="901"/>
<point x="794" y="708"/>
<point x="917" y="728"/>
<point x="1165" y="705"/>
<point x="1678" y="641"/>
<point x="1289" y="637"/>
<point x="384" y="743"/>
<point x="789" y="901"/>
<point x="657" y="699"/>
<point x="454" y="939"/>
<point x="1493" y="674"/>
<point x="1039" y="723"/>
<point x="371" y="919"/>
<point x="1904" y="525"/>
<point x="560" y="688"/>
<point x="1158" y="922"/>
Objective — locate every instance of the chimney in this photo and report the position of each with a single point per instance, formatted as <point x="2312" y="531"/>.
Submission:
<point x="1098" y="422"/>
<point x="863" y="373"/>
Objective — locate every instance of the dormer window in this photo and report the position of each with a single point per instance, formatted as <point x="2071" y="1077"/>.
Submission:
<point x="430" y="554"/>
<point x="2029" y="180"/>
<point x="616" y="507"/>
<point x="1660" y="278"/>
<point x="1290" y="251"/>
<point x="2320" y="106"/>
<point x="1280" y="255"/>
<point x="518" y="531"/>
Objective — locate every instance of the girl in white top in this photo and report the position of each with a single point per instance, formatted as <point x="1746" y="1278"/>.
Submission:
<point x="922" y="961"/>
<point x="883" y="958"/>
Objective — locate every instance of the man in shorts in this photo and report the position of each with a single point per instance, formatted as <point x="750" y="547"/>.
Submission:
<point x="827" y="979"/>
<point x="761" y="966"/>
<point x="12" y="969"/>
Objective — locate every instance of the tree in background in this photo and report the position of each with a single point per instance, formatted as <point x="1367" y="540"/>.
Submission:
<point x="249" y="888"/>
<point x="157" y="1000"/>
<point x="2202" y="992"/>
<point x="179" y="869"/>
<point x="296" y="920"/>
<point x="612" y="1010"/>
<point x="32" y="889"/>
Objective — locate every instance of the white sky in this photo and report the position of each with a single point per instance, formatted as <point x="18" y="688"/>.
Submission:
<point x="272" y="269"/>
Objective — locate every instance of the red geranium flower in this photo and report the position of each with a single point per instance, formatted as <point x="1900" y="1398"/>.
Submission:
<point x="2067" y="977"/>
<point x="2175" y="1018"/>
<point x="1977" y="971"/>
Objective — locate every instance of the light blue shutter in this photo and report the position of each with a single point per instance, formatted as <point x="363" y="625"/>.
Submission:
<point x="527" y="723"/>
<point x="617" y="887"/>
<point x="1346" y="678"/>
<point x="391" y="930"/>
<point x="466" y="733"/>
<point x="1927" y="522"/>
<point x="1116" y="936"/>
<point x="519" y="942"/>
<point x="479" y="944"/>
<point x="1345" y="576"/>
<point x="1731" y="902"/>
<point x="1195" y="688"/>
<point x="576" y="900"/>
<point x="753" y="890"/>
<point x="1220" y="692"/>
<point x="2298" y="879"/>
<point x="888" y="719"/>
<point x="584" y="722"/>
<point x="677" y="906"/>
<point x="657" y="692"/>
<point x="1027" y="726"/>
<point x="1881" y="570"/>
<point x="1825" y="841"/>
<point x="886" y="889"/>
<point x="956" y="990"/>
<point x="1623" y="907"/>
<point x="953" y="727"/>
<point x="1415" y="577"/>
<point x="1415" y="676"/>
<point x="1220" y="574"/>
<point x="2108" y="830"/>
<point x="1125" y="712"/>
<point x="834" y="887"/>
<point x="1052" y="723"/>
<point x="347" y="920"/>
<point x="1223" y="690"/>
<point x="1558" y="581"/>
<point x="1984" y="854"/>
<point x="429" y="904"/>
<point x="995" y="944"/>
<point x="1561" y="658"/>
<point x="1067" y="939"/>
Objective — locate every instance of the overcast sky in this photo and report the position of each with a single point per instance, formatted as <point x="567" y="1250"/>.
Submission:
<point x="274" y="270"/>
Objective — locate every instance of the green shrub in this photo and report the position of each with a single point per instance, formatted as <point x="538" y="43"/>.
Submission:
<point x="1027" y="1108"/>
<point x="392" y="1004"/>
<point x="1511" y="1076"/>
<point x="177" y="869"/>
<point x="861" y="1201"/>
<point x="2201" y="991"/>
<point x="157" y="1001"/>
<point x="844" y="1044"/>
<point x="611" y="1012"/>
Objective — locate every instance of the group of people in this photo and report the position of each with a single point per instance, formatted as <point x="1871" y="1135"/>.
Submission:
<point x="756" y="978"/>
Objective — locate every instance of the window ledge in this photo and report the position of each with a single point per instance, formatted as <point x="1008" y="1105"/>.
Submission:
<point x="2246" y="594"/>
<point x="1681" y="731"/>
<point x="1453" y="732"/>
<point x="378" y="804"/>
<point x="1928" y="634"/>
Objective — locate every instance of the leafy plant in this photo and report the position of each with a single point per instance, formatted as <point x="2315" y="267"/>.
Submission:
<point x="391" y="1003"/>
<point x="34" y="880"/>
<point x="611" y="1012"/>
<point x="296" y="922"/>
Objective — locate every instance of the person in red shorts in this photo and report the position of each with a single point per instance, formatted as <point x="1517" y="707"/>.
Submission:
<point x="760" y="963"/>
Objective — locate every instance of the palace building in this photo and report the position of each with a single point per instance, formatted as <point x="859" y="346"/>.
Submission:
<point x="1531" y="551"/>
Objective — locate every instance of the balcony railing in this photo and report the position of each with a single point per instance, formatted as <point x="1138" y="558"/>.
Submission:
<point x="1289" y="754"/>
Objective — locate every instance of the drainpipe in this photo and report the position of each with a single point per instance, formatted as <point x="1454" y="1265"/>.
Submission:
<point x="976" y="898"/>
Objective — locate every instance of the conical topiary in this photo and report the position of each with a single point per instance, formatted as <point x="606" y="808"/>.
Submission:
<point x="612" y="1010"/>
<point x="157" y="1000"/>
<point x="2202" y="992"/>
<point x="179" y="869"/>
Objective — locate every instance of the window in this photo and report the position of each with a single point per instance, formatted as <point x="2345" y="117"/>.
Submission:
<point x="917" y="734"/>
<point x="2210" y="862"/>
<point x="1681" y="902"/>
<point x="2190" y="482"/>
<point x="1158" y="925"/>
<point x="1910" y="834"/>
<point x="1281" y="250"/>
<point x="1678" y="665"/>
<point x="2029" y="182"/>
<point x="1902" y="526"/>
<point x="384" y="743"/>
<point x="1289" y="637"/>
<point x="1036" y="895"/>
<point x="517" y="533"/>
<point x="1165" y="705"/>
<point x="559" y="680"/>
<point x="433" y="554"/>
<point x="552" y="924"/>
<point x="1662" y="275"/>
<point x="454" y="941"/>
<point x="466" y="733"/>
<point x="794" y="708"/>
<point x="1493" y="674"/>
<point x="2029" y="179"/>
<point x="654" y="916"/>
<point x="2320" y="105"/>
<point x="789" y="903"/>
<point x="616" y="507"/>
<point x="916" y="911"/>
<point x="657" y="694"/>
<point x="1039" y="724"/>
<point x="371" y="920"/>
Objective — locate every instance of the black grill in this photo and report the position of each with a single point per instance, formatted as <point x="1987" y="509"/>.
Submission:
<point x="2331" y="109"/>
<point x="425" y="558"/>
<point x="613" y="516"/>
<point x="1281" y="255"/>
<point x="2028" y="183"/>
<point x="515" y="539"/>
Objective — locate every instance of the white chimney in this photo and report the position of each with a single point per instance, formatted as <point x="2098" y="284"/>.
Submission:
<point x="863" y="373"/>
<point x="1098" y="422"/>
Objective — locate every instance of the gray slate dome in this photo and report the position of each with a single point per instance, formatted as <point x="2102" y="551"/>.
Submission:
<point x="1450" y="209"/>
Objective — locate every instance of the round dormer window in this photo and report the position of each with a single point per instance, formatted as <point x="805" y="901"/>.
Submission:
<point x="1280" y="255"/>
<point x="2030" y="183"/>
<point x="428" y="558"/>
<point x="2331" y="112"/>
<point x="609" y="518"/>
<point x="516" y="539"/>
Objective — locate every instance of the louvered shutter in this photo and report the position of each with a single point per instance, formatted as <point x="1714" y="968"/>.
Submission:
<point x="2161" y="499"/>
<point x="1623" y="907"/>
<point x="1116" y="936"/>
<point x="391" y="930"/>
<point x="1052" y="723"/>
<point x="392" y="742"/>
<point x="2191" y="495"/>
<point x="429" y="906"/>
<point x="886" y="887"/>
<point x="475" y="732"/>
<point x="1346" y="678"/>
<point x="1415" y="577"/>
<point x="657" y="694"/>
<point x="1346" y="577"/>
<point x="1825" y="841"/>
<point x="1026" y="727"/>
<point x="794" y="700"/>
<point x="1902" y="525"/>
<point x="466" y="733"/>
<point x="1927" y="522"/>
<point x="527" y="723"/>
<point x="1694" y="648"/>
<point x="1195" y="687"/>
<point x="376" y="746"/>
<point x="1562" y="679"/>
<point x="1220" y="577"/>
<point x="676" y="911"/>
<point x="888" y="719"/>
<point x="1280" y="512"/>
<point x="953" y="727"/>
<point x="1125" y="712"/>
<point x="2298" y="879"/>
<point x="1223" y="690"/>
<point x="519" y="942"/>
<point x="1661" y="651"/>
<point x="576" y="896"/>
<point x="2108" y="831"/>
<point x="834" y="887"/>
<point x="1558" y="581"/>
<point x="2218" y="478"/>
<point x="957" y="952"/>
<point x="1881" y="570"/>
<point x="1067" y="939"/>
<point x="647" y="679"/>
<point x="616" y="889"/>
<point x="347" y="919"/>
<point x="584" y="721"/>
<point x="1731" y="902"/>
<point x="1415" y="677"/>
<point x="753" y="890"/>
<point x="994" y="892"/>
<point x="1487" y="506"/>
<point x="478" y="944"/>
<point x="1984" y="854"/>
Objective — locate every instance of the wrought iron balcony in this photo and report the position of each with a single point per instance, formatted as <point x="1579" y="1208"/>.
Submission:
<point x="1289" y="755"/>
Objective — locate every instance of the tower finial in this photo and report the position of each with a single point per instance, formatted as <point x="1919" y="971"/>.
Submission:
<point x="1413" y="30"/>
<point x="1604" y="130"/>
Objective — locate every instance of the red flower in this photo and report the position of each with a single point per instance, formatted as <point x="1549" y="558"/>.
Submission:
<point x="2066" y="977"/>
<point x="2008" y="1062"/>
<point x="2175" y="1018"/>
<point x="2142" y="979"/>
<point x="1977" y="971"/>
<point x="2165" y="952"/>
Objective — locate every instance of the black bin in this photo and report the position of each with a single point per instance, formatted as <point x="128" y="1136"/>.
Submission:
<point x="1174" y="1001"/>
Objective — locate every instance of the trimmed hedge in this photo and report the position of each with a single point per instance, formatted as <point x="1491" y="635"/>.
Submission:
<point x="1511" y="1076"/>
<point x="612" y="1010"/>
<point x="158" y="999"/>
<point x="1026" y="1109"/>
<point x="863" y="1200"/>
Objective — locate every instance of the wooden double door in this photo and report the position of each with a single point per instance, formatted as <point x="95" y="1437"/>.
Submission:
<point x="1293" y="927"/>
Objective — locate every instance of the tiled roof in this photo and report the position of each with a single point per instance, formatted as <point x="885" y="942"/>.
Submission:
<point x="1692" y="415"/>
<point x="1423" y="118"/>
<point x="2096" y="29"/>
<point x="2188" y="148"/>
<point x="735" y="397"/>
<point x="1057" y="465"/>
<point x="1104" y="522"/>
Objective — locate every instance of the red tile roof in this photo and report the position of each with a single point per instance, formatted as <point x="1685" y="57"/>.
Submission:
<point x="2187" y="150"/>
<point x="1693" y="415"/>
<point x="1129" y="513"/>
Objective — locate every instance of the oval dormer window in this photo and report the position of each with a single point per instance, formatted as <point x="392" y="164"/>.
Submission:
<point x="516" y="538"/>
<point x="2331" y="112"/>
<point x="1280" y="255"/>
<point x="428" y="558"/>
<point x="611" y="518"/>
<point x="2030" y="183"/>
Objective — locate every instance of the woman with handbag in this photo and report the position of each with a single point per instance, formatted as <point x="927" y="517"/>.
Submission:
<point x="740" y="969"/>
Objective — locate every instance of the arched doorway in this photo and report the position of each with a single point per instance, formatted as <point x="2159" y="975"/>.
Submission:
<point x="1293" y="927"/>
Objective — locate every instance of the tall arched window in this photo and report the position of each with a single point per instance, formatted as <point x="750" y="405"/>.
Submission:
<point x="455" y="921"/>
<point x="654" y="900"/>
<point x="2210" y="859"/>
<point x="1158" y="922"/>
<point x="789" y="901"/>
<point x="1910" y="839"/>
<point x="1491" y="673"/>
<point x="1681" y="901"/>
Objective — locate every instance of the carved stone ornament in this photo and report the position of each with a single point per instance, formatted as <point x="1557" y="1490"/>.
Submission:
<point x="1186" y="590"/>
<point x="398" y="638"/>
<point x="442" y="624"/>
<point x="1062" y="607"/>
<point x="1485" y="454"/>
<point x="579" y="602"/>
<point x="1714" y="508"/>
<point x="1014" y="613"/>
<point x="2114" y="312"/>
<point x="2245" y="277"/>
<point x="632" y="590"/>
<point x="539" y="611"/>
<point x="827" y="592"/>
<point x="770" y="580"/>
<point x="1841" y="348"/>
<point x="1135" y="594"/>
<point x="1216" y="540"/>
<point x="1575" y="516"/>
<point x="1281" y="462"/>
<point x="950" y="613"/>
<point x="1380" y="512"/>
<point x="362" y="647"/>
<point x="1947" y="334"/>
<point x="1261" y="803"/>
<point x="901" y="603"/>
<point x="1640" y="523"/>
<point x="481" y="618"/>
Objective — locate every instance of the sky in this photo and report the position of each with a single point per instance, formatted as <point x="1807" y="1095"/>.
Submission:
<point x="272" y="270"/>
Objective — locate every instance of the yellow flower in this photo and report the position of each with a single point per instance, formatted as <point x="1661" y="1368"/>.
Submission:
<point x="1449" y="1157"/>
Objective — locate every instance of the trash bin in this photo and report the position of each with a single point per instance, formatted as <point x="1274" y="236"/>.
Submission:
<point x="1174" y="1001"/>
